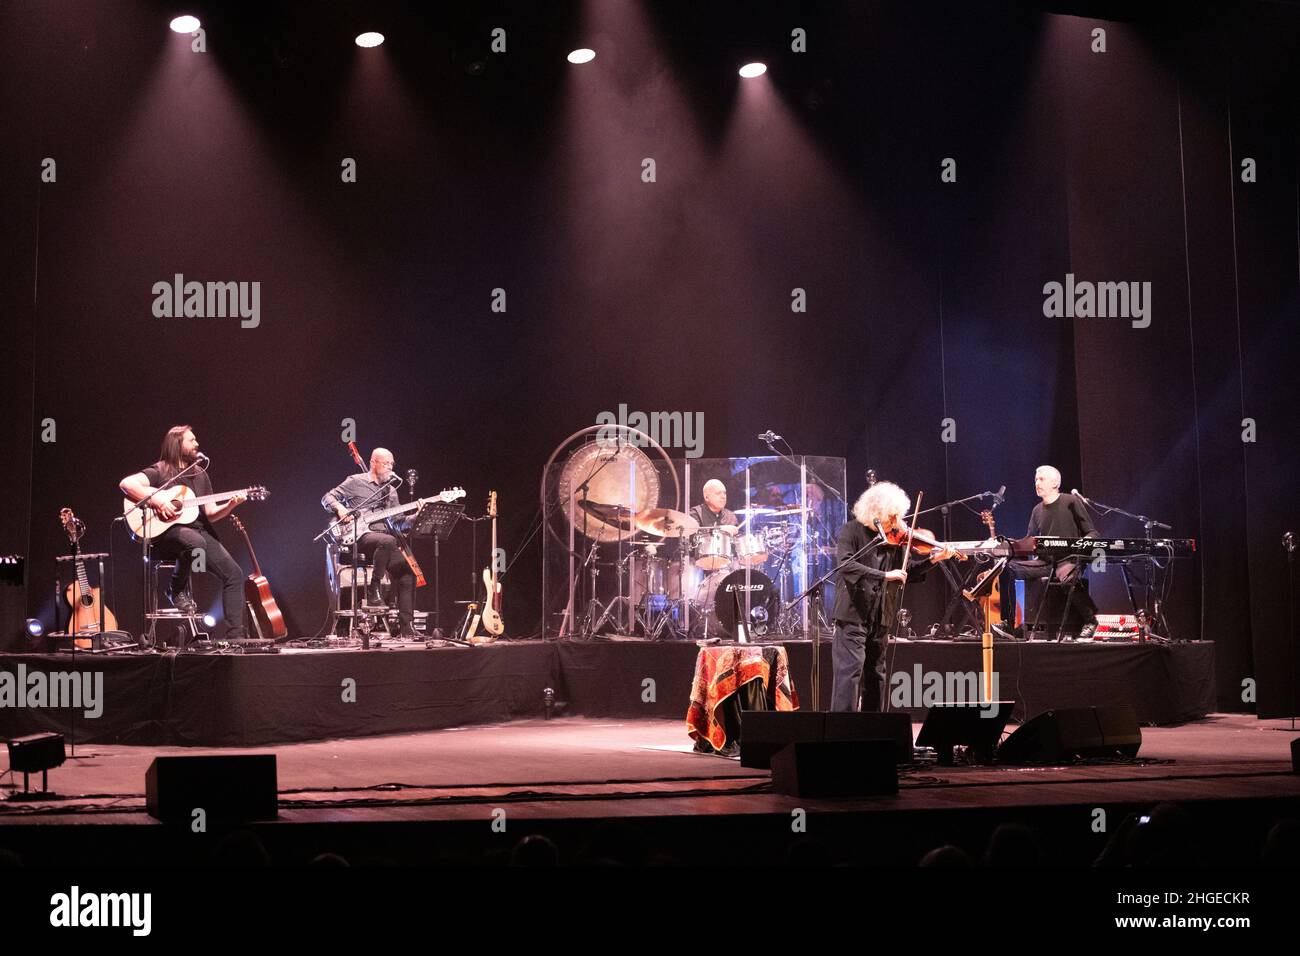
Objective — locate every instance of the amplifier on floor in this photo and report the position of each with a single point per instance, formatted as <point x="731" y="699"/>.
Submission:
<point x="977" y="727"/>
<point x="836" y="768"/>
<point x="764" y="732"/>
<point x="228" y="789"/>
<point x="1070" y="733"/>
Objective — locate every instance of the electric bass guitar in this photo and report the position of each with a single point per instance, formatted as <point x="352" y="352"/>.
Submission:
<point x="267" y="617"/>
<point x="492" y="622"/>
<point x="346" y="533"/>
<point x="144" y="523"/>
<point x="81" y="597"/>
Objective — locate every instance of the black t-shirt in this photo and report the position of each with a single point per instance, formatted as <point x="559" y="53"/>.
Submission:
<point x="1066" y="517"/>
<point x="197" y="481"/>
<point x="709" y="518"/>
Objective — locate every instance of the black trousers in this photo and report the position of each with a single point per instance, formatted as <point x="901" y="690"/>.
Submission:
<point x="1050" y="602"/>
<point x="179" y="543"/>
<point x="383" y="553"/>
<point x="858" y="658"/>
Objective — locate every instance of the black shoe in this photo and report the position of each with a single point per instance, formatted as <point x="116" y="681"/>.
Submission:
<point x="1087" y="632"/>
<point x="1008" y="633"/>
<point x="373" y="598"/>
<point x="408" y="633"/>
<point x="183" y="601"/>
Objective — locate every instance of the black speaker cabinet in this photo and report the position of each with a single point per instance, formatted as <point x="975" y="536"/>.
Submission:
<point x="764" y="732"/>
<point x="1059" y="736"/>
<point x="976" y="727"/>
<point x="836" y="768"/>
<point x="229" y="789"/>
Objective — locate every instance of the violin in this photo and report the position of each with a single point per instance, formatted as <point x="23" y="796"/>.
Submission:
<point x="923" y="542"/>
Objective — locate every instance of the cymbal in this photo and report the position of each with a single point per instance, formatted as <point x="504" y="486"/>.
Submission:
<point x="666" y="523"/>
<point x="756" y="511"/>
<point x="616" y="515"/>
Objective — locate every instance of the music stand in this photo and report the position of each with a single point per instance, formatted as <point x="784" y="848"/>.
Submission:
<point x="437" y="519"/>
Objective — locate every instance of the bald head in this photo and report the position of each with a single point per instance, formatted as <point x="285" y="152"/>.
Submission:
<point x="715" y="494"/>
<point x="381" y="463"/>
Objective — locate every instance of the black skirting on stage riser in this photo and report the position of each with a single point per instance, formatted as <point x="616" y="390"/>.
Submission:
<point x="233" y="700"/>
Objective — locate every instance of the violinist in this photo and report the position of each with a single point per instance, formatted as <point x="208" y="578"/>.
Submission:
<point x="863" y="611"/>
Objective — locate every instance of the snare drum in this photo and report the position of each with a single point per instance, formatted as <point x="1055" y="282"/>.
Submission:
<point x="751" y="550"/>
<point x="711" y="548"/>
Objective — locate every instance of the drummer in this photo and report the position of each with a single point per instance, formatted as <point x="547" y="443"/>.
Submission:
<point x="712" y="512"/>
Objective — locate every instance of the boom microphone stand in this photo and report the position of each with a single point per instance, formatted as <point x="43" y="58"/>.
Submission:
<point x="815" y="592"/>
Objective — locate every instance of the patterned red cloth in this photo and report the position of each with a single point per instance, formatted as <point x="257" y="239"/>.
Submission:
<point x="721" y="671"/>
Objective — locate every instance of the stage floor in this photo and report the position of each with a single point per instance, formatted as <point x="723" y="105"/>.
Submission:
<point x="561" y="775"/>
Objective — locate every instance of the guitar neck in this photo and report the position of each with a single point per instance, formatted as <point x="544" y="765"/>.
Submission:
<point x="209" y="499"/>
<point x="400" y="509"/>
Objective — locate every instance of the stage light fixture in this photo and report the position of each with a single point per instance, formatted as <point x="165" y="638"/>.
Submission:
<point x="750" y="70"/>
<point x="36" y="753"/>
<point x="185" y="24"/>
<point x="583" y="55"/>
<point x="209" y="621"/>
<point x="34" y="627"/>
<point x="370" y="39"/>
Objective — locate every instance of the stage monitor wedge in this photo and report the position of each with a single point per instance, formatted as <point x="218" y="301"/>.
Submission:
<point x="1074" y="733"/>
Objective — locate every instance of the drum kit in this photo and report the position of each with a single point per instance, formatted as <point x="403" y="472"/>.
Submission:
<point x="678" y="579"/>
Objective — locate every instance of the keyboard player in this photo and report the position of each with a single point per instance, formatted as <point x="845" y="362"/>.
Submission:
<point x="1059" y="515"/>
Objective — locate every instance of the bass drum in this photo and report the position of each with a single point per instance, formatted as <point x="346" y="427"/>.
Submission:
<point x="746" y="599"/>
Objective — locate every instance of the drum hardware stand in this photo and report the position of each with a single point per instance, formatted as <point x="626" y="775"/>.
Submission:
<point x="583" y="627"/>
<point x="814" y="591"/>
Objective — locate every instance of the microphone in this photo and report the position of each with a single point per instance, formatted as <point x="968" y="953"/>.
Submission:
<point x="769" y="436"/>
<point x="1075" y="492"/>
<point x="412" y="476"/>
<point x="871" y="477"/>
<point x="394" y="480"/>
<point x="203" y="460"/>
<point x="1000" y="496"/>
<point x="1288" y="542"/>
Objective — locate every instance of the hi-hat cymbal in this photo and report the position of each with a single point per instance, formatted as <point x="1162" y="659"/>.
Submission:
<point x="666" y="523"/>
<point x="756" y="511"/>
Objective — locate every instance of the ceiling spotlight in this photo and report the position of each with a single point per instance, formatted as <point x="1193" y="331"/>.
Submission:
<point x="750" y="70"/>
<point x="370" y="39"/>
<point x="582" y="56"/>
<point x="185" y="24"/>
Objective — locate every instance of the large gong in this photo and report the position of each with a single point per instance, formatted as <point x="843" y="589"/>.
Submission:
<point x="620" y="478"/>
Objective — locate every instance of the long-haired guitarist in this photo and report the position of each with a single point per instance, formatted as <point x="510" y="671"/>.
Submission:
<point x="180" y="449"/>
<point x="379" y="545"/>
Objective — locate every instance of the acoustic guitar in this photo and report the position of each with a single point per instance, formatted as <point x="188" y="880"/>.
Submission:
<point x="83" y="599"/>
<point x="149" y="526"/>
<point x="257" y="595"/>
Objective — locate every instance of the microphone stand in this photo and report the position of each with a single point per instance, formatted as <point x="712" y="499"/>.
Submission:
<point x="953" y="580"/>
<point x="1288" y="542"/>
<point x="333" y="527"/>
<point x="1155" y="614"/>
<point x="815" y="591"/>
<point x="583" y="489"/>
